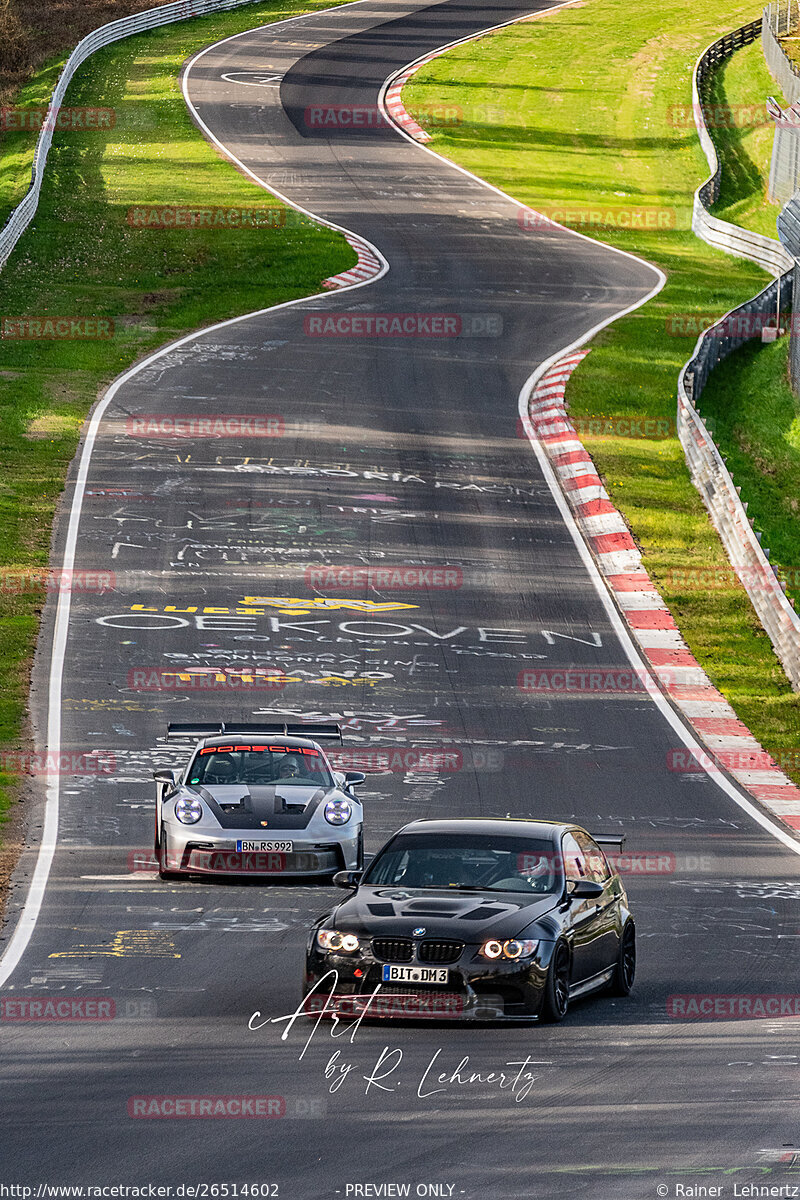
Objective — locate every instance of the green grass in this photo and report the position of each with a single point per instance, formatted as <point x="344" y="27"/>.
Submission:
<point x="756" y="422"/>
<point x="791" y="47"/>
<point x="589" y="107"/>
<point x="82" y="258"/>
<point x="739" y="88"/>
<point x="748" y="402"/>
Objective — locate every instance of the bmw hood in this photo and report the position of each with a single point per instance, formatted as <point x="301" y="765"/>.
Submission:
<point x="461" y="916"/>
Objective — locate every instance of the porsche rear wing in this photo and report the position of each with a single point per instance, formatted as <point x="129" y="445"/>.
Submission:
<point x="194" y="730"/>
<point x="611" y="841"/>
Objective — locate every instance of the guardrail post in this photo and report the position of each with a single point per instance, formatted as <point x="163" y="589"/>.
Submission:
<point x="706" y="467"/>
<point x="20" y="217"/>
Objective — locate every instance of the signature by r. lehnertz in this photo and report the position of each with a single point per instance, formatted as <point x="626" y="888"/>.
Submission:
<point x="385" y="1073"/>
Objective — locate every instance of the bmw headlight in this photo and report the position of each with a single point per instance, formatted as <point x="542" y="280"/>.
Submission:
<point x="188" y="810"/>
<point x="338" y="812"/>
<point x="332" y="939"/>
<point x="512" y="949"/>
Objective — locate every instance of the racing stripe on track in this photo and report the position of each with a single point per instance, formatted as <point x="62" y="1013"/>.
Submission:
<point x="368" y="265"/>
<point x="728" y="740"/>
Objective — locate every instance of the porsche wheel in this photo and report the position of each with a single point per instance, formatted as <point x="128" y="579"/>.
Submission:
<point x="556" y="989"/>
<point x="163" y="859"/>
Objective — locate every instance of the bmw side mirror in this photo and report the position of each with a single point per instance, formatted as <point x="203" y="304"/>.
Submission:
<point x="354" y="778"/>
<point x="347" y="879"/>
<point x="585" y="889"/>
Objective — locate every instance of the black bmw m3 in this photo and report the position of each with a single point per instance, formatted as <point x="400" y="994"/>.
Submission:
<point x="475" y="919"/>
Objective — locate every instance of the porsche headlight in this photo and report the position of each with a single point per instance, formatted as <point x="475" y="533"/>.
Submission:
<point x="338" y="812"/>
<point x="332" y="939"/>
<point x="512" y="949"/>
<point x="188" y="810"/>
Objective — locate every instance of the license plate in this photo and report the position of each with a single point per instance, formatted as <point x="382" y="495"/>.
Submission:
<point x="415" y="974"/>
<point x="264" y="847"/>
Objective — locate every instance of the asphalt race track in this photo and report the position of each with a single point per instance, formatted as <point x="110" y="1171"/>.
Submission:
<point x="395" y="450"/>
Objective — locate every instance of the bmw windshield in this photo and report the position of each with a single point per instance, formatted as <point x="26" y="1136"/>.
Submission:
<point x="258" y="764"/>
<point x="468" y="862"/>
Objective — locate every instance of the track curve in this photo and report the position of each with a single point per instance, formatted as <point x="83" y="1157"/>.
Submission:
<point x="401" y="450"/>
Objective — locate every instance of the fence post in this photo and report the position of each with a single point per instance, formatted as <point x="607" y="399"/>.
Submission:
<point x="707" y="469"/>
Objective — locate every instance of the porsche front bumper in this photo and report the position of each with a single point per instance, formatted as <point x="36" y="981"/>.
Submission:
<point x="189" y="852"/>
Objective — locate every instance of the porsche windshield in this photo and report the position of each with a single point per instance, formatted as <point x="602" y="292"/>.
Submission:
<point x="259" y="764"/>
<point x="468" y="862"/>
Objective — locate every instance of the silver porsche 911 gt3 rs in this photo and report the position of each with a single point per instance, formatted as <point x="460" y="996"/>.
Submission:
<point x="257" y="800"/>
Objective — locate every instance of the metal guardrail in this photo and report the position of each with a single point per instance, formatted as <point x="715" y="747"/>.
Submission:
<point x="721" y="497"/>
<point x="21" y="217"/>
<point x="705" y="462"/>
<point x="743" y="243"/>
<point x="784" y="168"/>
<point x="789" y="233"/>
<point x="784" y="175"/>
<point x="706" y="465"/>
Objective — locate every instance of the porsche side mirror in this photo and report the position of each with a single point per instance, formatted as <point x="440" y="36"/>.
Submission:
<point x="166" y="777"/>
<point x="354" y="778"/>
<point x="347" y="879"/>
<point x="585" y="889"/>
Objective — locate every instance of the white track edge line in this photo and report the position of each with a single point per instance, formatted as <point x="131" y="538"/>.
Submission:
<point x="620" y="627"/>
<point x="26" y="921"/>
<point x="32" y="907"/>
<point x="617" y="622"/>
<point x="544" y="12"/>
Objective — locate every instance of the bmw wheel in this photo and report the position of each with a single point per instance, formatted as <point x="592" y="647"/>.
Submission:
<point x="556" y="989"/>
<point x="625" y="968"/>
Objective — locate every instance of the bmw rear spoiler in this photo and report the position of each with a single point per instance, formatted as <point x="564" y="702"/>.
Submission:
<point x="611" y="841"/>
<point x="203" y="729"/>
